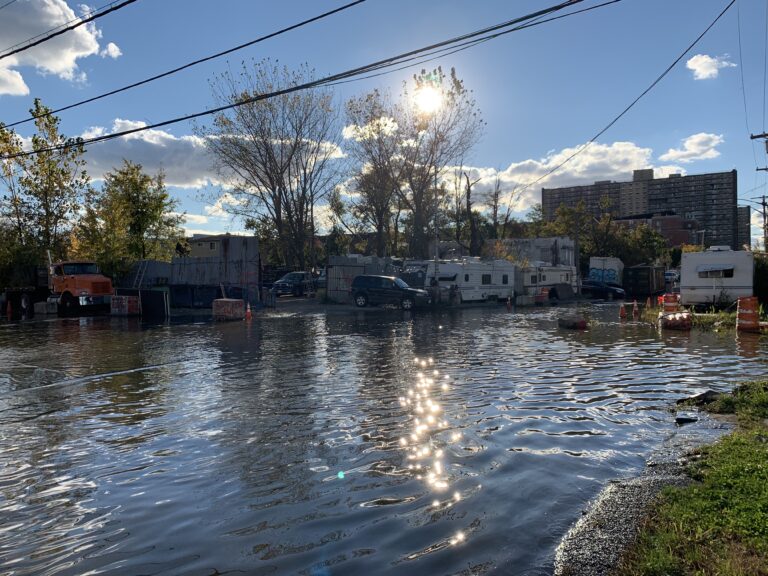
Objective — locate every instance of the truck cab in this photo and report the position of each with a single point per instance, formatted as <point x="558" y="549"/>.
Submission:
<point x="76" y="284"/>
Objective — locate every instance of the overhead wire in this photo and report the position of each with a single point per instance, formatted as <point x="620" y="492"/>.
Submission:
<point x="743" y="89"/>
<point x="80" y="22"/>
<point x="442" y="52"/>
<point x="327" y="80"/>
<point x="631" y="105"/>
<point x="189" y="65"/>
<point x="765" y="63"/>
<point x="7" y="4"/>
<point x="62" y="25"/>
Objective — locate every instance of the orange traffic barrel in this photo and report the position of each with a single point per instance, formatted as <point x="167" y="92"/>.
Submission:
<point x="747" y="317"/>
<point x="670" y="303"/>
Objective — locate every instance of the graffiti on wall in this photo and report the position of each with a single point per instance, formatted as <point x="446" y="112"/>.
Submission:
<point x="604" y="275"/>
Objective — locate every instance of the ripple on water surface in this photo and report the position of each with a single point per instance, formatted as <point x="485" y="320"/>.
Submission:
<point x="384" y="443"/>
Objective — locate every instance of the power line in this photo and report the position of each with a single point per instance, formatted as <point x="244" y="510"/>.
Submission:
<point x="765" y="63"/>
<point x="635" y="101"/>
<point x="62" y="25"/>
<point x="447" y="51"/>
<point x="7" y="4"/>
<point x="79" y="23"/>
<point x="189" y="65"/>
<point x="741" y="70"/>
<point x="328" y="80"/>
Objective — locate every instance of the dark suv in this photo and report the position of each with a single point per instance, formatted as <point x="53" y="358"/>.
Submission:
<point x="296" y="283"/>
<point x="596" y="289"/>
<point x="386" y="290"/>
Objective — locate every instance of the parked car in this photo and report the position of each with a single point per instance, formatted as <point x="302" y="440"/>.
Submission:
<point x="369" y="289"/>
<point x="604" y="290"/>
<point x="672" y="276"/>
<point x="295" y="283"/>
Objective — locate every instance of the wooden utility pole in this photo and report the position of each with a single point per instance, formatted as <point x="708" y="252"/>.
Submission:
<point x="764" y="136"/>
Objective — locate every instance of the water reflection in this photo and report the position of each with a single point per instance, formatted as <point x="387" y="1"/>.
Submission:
<point x="383" y="443"/>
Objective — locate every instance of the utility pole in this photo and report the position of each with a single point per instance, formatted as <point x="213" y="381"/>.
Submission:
<point x="764" y="136"/>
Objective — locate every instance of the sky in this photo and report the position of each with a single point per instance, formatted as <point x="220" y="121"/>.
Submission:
<point x="543" y="92"/>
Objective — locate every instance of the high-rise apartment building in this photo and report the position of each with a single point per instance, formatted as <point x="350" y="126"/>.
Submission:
<point x="708" y="199"/>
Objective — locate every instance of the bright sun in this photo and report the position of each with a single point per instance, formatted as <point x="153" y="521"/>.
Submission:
<point x="428" y="99"/>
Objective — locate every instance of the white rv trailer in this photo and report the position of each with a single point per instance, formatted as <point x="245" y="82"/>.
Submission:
<point x="540" y="275"/>
<point x="472" y="279"/>
<point x="717" y="276"/>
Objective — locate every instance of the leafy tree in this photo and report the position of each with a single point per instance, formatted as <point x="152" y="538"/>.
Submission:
<point x="605" y="236"/>
<point x="44" y="191"/>
<point x="280" y="154"/>
<point x="132" y="218"/>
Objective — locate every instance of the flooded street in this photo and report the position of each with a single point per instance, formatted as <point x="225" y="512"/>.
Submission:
<point x="377" y="442"/>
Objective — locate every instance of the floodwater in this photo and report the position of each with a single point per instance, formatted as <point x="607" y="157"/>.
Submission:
<point x="375" y="442"/>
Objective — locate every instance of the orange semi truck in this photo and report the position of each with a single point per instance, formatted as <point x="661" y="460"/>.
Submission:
<point x="74" y="286"/>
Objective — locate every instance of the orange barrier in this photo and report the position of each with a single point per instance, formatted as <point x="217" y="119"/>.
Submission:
<point x="670" y="303"/>
<point x="747" y="317"/>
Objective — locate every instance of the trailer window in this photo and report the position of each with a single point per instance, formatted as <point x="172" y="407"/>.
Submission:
<point x="716" y="273"/>
<point x="505" y="279"/>
<point x="486" y="279"/>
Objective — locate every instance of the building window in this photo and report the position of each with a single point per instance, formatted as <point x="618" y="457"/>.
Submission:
<point x="212" y="245"/>
<point x="486" y="279"/>
<point x="533" y="279"/>
<point x="466" y="277"/>
<point x="505" y="279"/>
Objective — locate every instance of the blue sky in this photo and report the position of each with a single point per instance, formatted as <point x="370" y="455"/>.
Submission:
<point x="542" y="91"/>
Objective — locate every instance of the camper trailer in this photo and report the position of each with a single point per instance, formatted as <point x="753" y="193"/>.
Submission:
<point x="558" y="282"/>
<point x="718" y="276"/>
<point x="471" y="280"/>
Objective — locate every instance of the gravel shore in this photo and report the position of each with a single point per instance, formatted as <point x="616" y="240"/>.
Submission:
<point x="594" y="545"/>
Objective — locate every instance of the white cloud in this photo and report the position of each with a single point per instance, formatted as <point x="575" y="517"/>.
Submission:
<point x="112" y="51"/>
<point x="756" y="228"/>
<point x="706" y="67"/>
<point x="224" y="203"/>
<point x="12" y="83"/>
<point x="384" y="125"/>
<point x="58" y="56"/>
<point x="701" y="146"/>
<point x="184" y="159"/>
<point x="192" y="218"/>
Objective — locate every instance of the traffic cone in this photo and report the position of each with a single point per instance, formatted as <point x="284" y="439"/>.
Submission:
<point x="9" y="310"/>
<point x="509" y="303"/>
<point x="648" y="303"/>
<point x="622" y="312"/>
<point x="248" y="314"/>
<point x="635" y="310"/>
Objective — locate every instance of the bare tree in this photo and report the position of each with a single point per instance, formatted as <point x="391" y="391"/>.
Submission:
<point x="279" y="155"/>
<point x="401" y="152"/>
<point x="373" y="144"/>
<point x="500" y="216"/>
<point x="431" y="141"/>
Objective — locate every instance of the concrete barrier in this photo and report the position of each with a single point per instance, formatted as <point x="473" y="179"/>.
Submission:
<point x="125" y="306"/>
<point x="228" y="309"/>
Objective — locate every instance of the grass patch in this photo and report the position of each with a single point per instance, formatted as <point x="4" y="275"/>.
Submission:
<point x="718" y="525"/>
<point x="700" y="320"/>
